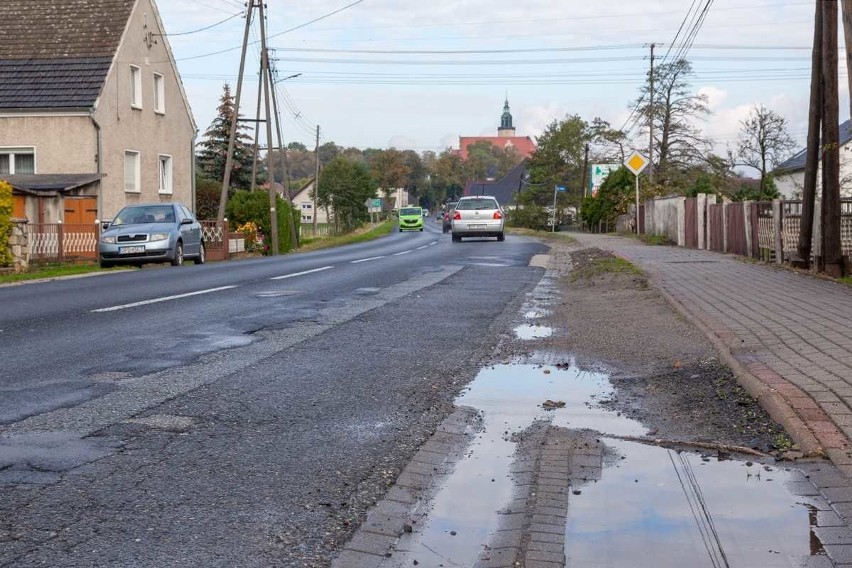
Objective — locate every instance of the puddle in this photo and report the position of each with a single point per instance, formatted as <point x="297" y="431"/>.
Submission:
<point x="533" y="331"/>
<point x="536" y="314"/>
<point x="648" y="507"/>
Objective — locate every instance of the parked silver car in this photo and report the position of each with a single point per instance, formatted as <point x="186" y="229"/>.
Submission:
<point x="157" y="232"/>
<point x="479" y="216"/>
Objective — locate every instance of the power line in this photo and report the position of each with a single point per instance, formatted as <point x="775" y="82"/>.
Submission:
<point x="202" y="29"/>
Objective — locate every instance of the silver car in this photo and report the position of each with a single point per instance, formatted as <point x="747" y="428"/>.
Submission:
<point x="157" y="232"/>
<point x="479" y="216"/>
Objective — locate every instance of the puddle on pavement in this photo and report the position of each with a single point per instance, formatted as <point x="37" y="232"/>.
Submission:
<point x="532" y="331"/>
<point x="652" y="506"/>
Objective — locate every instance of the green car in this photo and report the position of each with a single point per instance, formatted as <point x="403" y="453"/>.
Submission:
<point x="410" y="219"/>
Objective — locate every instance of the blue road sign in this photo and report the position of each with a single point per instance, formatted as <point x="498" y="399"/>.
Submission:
<point x="560" y="188"/>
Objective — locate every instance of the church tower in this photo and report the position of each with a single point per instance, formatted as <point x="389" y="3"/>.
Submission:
<point x="506" y="129"/>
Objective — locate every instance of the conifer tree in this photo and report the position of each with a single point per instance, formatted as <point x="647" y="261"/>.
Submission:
<point x="213" y="150"/>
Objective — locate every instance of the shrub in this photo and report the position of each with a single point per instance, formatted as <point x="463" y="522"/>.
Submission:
<point x="6" y="203"/>
<point x="253" y="207"/>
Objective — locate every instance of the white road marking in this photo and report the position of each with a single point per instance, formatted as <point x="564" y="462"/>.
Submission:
<point x="163" y="299"/>
<point x="367" y="259"/>
<point x="423" y="247"/>
<point x="302" y="273"/>
<point x="403" y="252"/>
<point x="433" y="243"/>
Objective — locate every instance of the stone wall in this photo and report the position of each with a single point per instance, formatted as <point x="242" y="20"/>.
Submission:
<point x="19" y="246"/>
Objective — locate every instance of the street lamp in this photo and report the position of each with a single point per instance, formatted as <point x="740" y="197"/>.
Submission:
<point x="288" y="77"/>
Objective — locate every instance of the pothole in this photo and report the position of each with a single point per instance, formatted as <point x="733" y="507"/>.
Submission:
<point x="533" y="331"/>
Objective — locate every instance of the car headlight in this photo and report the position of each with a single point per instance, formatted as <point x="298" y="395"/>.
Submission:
<point x="159" y="236"/>
<point x="108" y="240"/>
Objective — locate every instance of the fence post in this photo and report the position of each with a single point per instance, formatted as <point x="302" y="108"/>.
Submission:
<point x="747" y="205"/>
<point x="711" y="200"/>
<point x="227" y="238"/>
<point x="700" y="218"/>
<point x="681" y="222"/>
<point x="725" y="204"/>
<point x="60" y="241"/>
<point x="777" y="223"/>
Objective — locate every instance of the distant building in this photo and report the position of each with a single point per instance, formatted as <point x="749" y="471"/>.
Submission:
<point x="790" y="174"/>
<point x="505" y="138"/>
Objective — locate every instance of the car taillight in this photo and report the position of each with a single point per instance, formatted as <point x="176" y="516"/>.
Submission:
<point x="498" y="215"/>
<point x="457" y="216"/>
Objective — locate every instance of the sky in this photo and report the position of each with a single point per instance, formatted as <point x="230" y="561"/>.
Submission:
<point x="419" y="74"/>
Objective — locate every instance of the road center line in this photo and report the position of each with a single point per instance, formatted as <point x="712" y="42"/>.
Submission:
<point x="302" y="273"/>
<point x="403" y="252"/>
<point x="367" y="259"/>
<point x="423" y="247"/>
<point x="163" y="299"/>
<point x="433" y="243"/>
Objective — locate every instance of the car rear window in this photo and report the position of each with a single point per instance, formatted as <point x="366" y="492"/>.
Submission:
<point x="477" y="204"/>
<point x="411" y="211"/>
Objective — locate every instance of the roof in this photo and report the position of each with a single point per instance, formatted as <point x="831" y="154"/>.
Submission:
<point x="49" y="184"/>
<point x="797" y="162"/>
<point x="57" y="53"/>
<point x="504" y="189"/>
<point x="523" y="144"/>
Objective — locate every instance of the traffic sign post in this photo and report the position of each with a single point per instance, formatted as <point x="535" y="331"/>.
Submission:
<point x="556" y="189"/>
<point x="636" y="162"/>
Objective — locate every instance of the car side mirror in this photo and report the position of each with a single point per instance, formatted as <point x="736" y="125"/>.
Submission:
<point x="105" y="225"/>
<point x="186" y="222"/>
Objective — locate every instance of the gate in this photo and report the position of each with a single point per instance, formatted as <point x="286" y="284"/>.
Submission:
<point x="717" y="228"/>
<point x="737" y="243"/>
<point x="691" y="222"/>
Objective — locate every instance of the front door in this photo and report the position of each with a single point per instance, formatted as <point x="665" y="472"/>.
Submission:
<point x="80" y="233"/>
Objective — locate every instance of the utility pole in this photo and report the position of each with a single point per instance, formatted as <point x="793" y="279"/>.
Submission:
<point x="831" y="250"/>
<point x="257" y="132"/>
<point x="264" y="63"/>
<point x="651" y="121"/>
<point x="847" y="36"/>
<point x="586" y="169"/>
<point x="812" y="156"/>
<point x="285" y="165"/>
<point x="229" y="161"/>
<point x="316" y="182"/>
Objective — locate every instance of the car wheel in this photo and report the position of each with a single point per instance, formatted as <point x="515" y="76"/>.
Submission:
<point x="177" y="260"/>
<point x="456" y="239"/>
<point x="105" y="264"/>
<point x="501" y="237"/>
<point x="202" y="255"/>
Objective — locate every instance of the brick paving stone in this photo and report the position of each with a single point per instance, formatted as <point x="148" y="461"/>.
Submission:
<point x="833" y="535"/>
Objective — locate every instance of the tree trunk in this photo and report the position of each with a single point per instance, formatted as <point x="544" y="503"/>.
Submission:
<point x="831" y="251"/>
<point x="812" y="156"/>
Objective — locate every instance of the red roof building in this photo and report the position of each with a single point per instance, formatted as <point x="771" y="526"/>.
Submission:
<point x="505" y="138"/>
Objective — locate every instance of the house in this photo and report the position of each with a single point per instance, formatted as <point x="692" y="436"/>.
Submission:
<point x="505" y="189"/>
<point x="506" y="138"/>
<point x="790" y="174"/>
<point x="93" y="114"/>
<point x="303" y="200"/>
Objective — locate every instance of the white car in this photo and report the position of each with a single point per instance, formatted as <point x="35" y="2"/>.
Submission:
<point x="477" y="216"/>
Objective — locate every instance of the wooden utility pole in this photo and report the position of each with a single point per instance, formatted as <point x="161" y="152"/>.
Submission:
<point x="812" y="156"/>
<point x="257" y="122"/>
<point x="847" y="36"/>
<point x="285" y="168"/>
<point x="229" y="160"/>
<point x="264" y="64"/>
<point x="316" y="182"/>
<point x="651" y="122"/>
<point x="586" y="169"/>
<point x="831" y="250"/>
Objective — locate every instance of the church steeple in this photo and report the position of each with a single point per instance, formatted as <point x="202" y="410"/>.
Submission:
<point x="506" y="129"/>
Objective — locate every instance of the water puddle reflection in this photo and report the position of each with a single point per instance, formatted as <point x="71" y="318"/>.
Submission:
<point x="533" y="331"/>
<point x="650" y="506"/>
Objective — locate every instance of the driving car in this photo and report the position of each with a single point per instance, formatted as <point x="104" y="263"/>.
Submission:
<point x="479" y="216"/>
<point x="410" y="219"/>
<point x="153" y="232"/>
<point x="448" y="217"/>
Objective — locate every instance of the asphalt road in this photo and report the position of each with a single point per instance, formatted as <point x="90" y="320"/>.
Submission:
<point x="235" y="414"/>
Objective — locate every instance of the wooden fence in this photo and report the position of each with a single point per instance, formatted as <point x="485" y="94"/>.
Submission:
<point x="59" y="242"/>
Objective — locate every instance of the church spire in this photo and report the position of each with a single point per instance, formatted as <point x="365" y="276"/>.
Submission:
<point x="506" y="128"/>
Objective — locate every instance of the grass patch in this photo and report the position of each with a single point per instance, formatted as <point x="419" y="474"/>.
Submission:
<point x="51" y="271"/>
<point x="846" y="280"/>
<point x="655" y="240"/>
<point x="547" y="235"/>
<point x="361" y="235"/>
<point x="606" y="265"/>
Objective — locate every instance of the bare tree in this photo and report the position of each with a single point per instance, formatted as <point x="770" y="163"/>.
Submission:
<point x="763" y="143"/>
<point x="678" y="142"/>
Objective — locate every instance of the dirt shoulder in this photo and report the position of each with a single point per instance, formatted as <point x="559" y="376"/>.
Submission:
<point x="665" y="372"/>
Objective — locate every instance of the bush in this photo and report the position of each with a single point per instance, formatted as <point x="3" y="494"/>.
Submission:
<point x="208" y="192"/>
<point x="253" y="207"/>
<point x="6" y="203"/>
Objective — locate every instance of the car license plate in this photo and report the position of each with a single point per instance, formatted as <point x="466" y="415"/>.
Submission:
<point x="131" y="250"/>
<point x="476" y="226"/>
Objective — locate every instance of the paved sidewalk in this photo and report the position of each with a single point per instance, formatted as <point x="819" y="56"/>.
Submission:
<point x="788" y="335"/>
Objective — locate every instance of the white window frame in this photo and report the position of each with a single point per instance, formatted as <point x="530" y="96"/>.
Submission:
<point x="159" y="93"/>
<point x="11" y="151"/>
<point x="135" y="87"/>
<point x="165" y="160"/>
<point x="137" y="187"/>
<point x="307" y="206"/>
<point x="307" y="217"/>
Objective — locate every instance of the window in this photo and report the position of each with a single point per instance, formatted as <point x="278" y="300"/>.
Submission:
<point x="17" y="161"/>
<point x="307" y="218"/>
<point x="159" y="94"/>
<point x="165" y="176"/>
<point x="135" y="87"/>
<point x="132" y="180"/>
<point x="307" y="205"/>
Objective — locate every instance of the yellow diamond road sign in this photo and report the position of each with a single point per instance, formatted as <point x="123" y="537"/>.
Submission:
<point x="636" y="163"/>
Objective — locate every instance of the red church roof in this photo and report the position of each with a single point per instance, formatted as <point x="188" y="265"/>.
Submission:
<point x="524" y="145"/>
